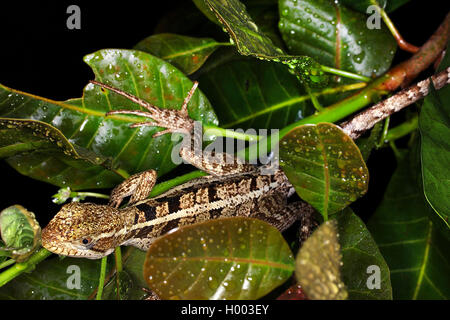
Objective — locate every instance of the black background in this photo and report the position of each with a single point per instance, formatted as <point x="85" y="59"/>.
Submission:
<point x="40" y="55"/>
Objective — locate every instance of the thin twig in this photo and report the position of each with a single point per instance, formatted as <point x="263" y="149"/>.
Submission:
<point x="402" y="43"/>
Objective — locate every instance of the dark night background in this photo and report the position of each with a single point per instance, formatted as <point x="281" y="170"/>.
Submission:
<point x="40" y="55"/>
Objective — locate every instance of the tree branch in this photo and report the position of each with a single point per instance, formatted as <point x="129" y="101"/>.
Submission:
<point x="368" y="118"/>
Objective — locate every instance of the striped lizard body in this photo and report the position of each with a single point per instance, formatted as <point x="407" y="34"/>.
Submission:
<point x="93" y="231"/>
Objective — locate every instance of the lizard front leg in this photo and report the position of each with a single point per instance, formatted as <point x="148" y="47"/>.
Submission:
<point x="138" y="186"/>
<point x="178" y="121"/>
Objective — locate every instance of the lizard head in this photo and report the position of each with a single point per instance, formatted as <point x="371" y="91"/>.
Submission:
<point x="83" y="230"/>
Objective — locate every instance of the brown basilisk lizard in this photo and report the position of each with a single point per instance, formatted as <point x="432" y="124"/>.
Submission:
<point x="232" y="189"/>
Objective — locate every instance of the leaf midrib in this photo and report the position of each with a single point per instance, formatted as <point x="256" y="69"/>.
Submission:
<point x="424" y="262"/>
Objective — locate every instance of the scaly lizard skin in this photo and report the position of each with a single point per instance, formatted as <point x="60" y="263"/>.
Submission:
<point x="93" y="231"/>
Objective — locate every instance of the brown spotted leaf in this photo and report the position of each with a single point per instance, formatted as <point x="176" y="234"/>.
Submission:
<point x="324" y="165"/>
<point x="230" y="258"/>
<point x="318" y="264"/>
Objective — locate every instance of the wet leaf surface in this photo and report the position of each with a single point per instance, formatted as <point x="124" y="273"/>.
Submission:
<point x="243" y="30"/>
<point x="83" y="123"/>
<point x="251" y="41"/>
<point x="318" y="264"/>
<point x="360" y="257"/>
<point x="324" y="165"/>
<point x="230" y="258"/>
<point x="335" y="36"/>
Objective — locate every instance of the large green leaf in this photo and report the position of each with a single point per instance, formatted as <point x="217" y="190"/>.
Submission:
<point x="335" y="36"/>
<point x="416" y="252"/>
<point x="255" y="94"/>
<point x="324" y="165"/>
<point x="251" y="41"/>
<point x="360" y="253"/>
<point x="247" y="93"/>
<point x="243" y="30"/>
<point x="434" y="125"/>
<point x="55" y="279"/>
<point x="186" y="53"/>
<point x="26" y="144"/>
<point x="83" y="122"/>
<point x="263" y="12"/>
<point x="230" y="258"/>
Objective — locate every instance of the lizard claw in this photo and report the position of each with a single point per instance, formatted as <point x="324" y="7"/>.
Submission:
<point x="174" y="121"/>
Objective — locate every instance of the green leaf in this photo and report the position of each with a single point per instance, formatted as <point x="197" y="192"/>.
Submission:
<point x="416" y="252"/>
<point x="318" y="264"/>
<point x="335" y="36"/>
<point x="254" y="94"/>
<point x="83" y="123"/>
<point x="55" y="279"/>
<point x="434" y="125"/>
<point x="243" y="31"/>
<point x="251" y="41"/>
<point x="20" y="232"/>
<point x="186" y="53"/>
<point x="359" y="252"/>
<point x="324" y="165"/>
<point x="25" y="144"/>
<point x="265" y="14"/>
<point x="203" y="7"/>
<point x="229" y="258"/>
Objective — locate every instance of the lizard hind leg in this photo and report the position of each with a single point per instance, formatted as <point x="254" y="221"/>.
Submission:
<point x="138" y="186"/>
<point x="172" y="120"/>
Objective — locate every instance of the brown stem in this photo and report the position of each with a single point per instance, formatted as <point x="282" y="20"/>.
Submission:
<point x="402" y="74"/>
<point x="368" y="118"/>
<point x="402" y="43"/>
<point x="405" y="45"/>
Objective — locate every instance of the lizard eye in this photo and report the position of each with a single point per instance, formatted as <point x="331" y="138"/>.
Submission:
<point x="86" y="241"/>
